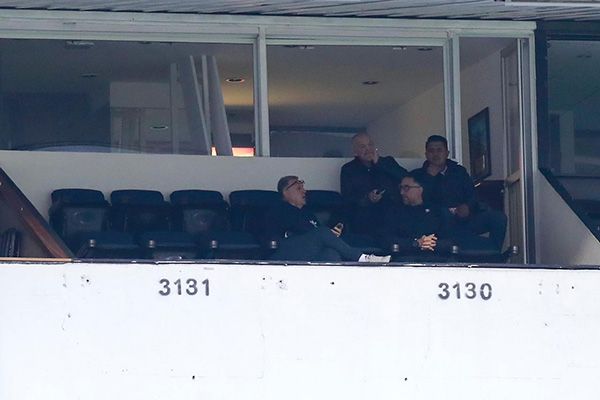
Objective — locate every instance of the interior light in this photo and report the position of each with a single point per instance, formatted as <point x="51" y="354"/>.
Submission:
<point x="370" y="83"/>
<point x="235" y="80"/>
<point x="89" y="75"/>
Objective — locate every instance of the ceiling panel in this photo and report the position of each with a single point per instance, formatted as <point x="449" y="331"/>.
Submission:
<point x="469" y="9"/>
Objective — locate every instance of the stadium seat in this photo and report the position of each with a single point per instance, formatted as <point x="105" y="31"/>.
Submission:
<point x="327" y="206"/>
<point x="78" y="210"/>
<point x="138" y="211"/>
<point x="80" y="217"/>
<point x="248" y="211"/>
<point x="199" y="212"/>
<point x="202" y="214"/>
<point x="146" y="215"/>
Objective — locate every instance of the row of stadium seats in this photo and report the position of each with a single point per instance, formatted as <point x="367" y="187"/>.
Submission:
<point x="192" y="224"/>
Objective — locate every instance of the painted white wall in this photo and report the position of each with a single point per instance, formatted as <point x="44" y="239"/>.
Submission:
<point x="561" y="237"/>
<point x="481" y="87"/>
<point x="403" y="131"/>
<point x="103" y="331"/>
<point x="39" y="173"/>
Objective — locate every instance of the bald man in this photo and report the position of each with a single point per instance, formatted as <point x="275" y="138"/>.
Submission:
<point x="369" y="184"/>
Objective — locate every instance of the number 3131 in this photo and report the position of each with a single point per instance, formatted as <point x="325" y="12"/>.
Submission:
<point x="468" y="290"/>
<point x="189" y="287"/>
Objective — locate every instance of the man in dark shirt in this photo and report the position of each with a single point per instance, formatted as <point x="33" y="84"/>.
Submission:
<point x="300" y="236"/>
<point x="369" y="184"/>
<point x="448" y="184"/>
<point x="414" y="225"/>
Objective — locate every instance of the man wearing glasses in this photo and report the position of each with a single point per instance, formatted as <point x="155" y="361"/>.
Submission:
<point x="414" y="225"/>
<point x="369" y="184"/>
<point x="300" y="236"/>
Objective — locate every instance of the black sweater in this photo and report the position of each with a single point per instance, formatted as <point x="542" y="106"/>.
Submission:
<point x="285" y="220"/>
<point x="448" y="189"/>
<point x="357" y="180"/>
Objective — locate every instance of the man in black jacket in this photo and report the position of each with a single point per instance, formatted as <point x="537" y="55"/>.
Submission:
<point x="300" y="236"/>
<point x="369" y="184"/>
<point x="448" y="184"/>
<point x="414" y="225"/>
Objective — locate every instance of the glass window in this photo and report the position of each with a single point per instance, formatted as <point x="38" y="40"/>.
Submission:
<point x="117" y="96"/>
<point x="320" y="96"/>
<point x="571" y="144"/>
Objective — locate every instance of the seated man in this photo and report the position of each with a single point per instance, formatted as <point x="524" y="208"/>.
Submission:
<point x="414" y="225"/>
<point x="369" y="184"/>
<point x="448" y="184"/>
<point x="299" y="234"/>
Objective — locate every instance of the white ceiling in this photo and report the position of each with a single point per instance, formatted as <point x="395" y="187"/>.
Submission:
<point x="463" y="9"/>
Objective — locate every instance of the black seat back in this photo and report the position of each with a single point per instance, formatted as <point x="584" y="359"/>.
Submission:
<point x="136" y="211"/>
<point x="326" y="205"/>
<point x="199" y="211"/>
<point x="249" y="207"/>
<point x="76" y="211"/>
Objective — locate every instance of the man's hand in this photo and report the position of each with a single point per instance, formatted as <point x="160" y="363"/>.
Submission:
<point x="462" y="211"/>
<point x="375" y="157"/>
<point x="337" y="230"/>
<point x="375" y="195"/>
<point x="427" y="242"/>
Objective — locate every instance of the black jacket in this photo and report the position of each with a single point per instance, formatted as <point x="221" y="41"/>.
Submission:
<point x="285" y="220"/>
<point x="405" y="223"/>
<point x="357" y="180"/>
<point x="448" y="189"/>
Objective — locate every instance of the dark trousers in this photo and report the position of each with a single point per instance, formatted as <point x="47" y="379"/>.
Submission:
<point x="317" y="245"/>
<point x="487" y="221"/>
<point x="368" y="220"/>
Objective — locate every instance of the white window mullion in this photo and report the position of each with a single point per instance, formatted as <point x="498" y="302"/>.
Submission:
<point x="261" y="96"/>
<point x="452" y="97"/>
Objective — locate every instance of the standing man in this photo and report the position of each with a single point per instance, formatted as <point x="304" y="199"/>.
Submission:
<point x="369" y="184"/>
<point x="448" y="184"/>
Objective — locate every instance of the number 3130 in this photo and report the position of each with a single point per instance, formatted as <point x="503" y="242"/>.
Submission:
<point x="468" y="290"/>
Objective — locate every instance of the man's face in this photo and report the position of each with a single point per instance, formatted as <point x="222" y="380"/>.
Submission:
<point x="437" y="154"/>
<point x="364" y="148"/>
<point x="295" y="194"/>
<point x="411" y="192"/>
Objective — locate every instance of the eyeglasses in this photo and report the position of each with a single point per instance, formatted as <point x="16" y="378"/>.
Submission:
<point x="297" y="182"/>
<point x="406" y="188"/>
